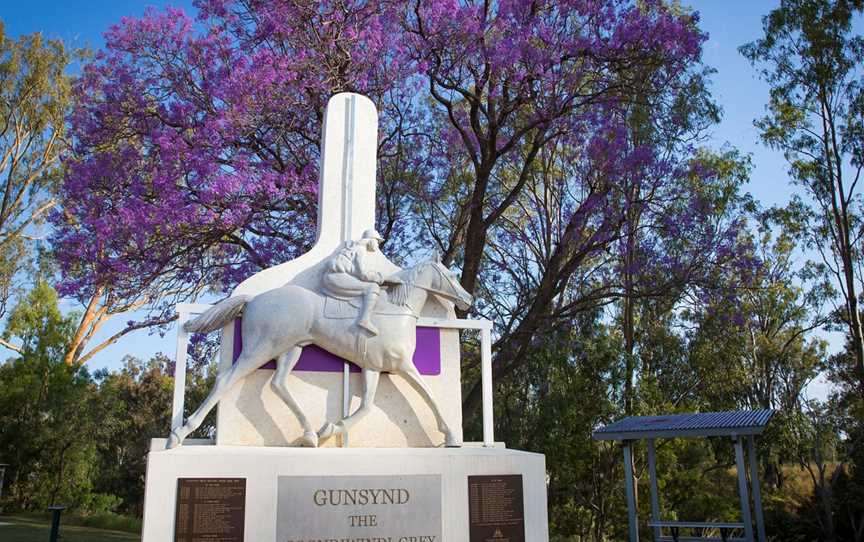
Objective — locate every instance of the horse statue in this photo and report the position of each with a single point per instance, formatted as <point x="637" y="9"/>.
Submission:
<point x="278" y="323"/>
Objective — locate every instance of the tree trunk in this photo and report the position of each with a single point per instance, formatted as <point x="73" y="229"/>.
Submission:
<point x="855" y="326"/>
<point x="825" y="500"/>
<point x="843" y="241"/>
<point x="76" y="345"/>
<point x="475" y="235"/>
<point x="629" y="325"/>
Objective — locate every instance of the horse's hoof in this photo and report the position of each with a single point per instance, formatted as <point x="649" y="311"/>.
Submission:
<point x="450" y="441"/>
<point x="174" y="440"/>
<point x="309" y="439"/>
<point x="326" y="431"/>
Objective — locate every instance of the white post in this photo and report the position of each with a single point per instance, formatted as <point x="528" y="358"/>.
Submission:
<point x="179" y="370"/>
<point x="486" y="383"/>
<point x="183" y="312"/>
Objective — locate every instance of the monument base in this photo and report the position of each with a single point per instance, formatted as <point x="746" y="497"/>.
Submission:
<point x="270" y="494"/>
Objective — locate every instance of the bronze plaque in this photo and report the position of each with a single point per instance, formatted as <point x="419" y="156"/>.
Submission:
<point x="496" y="510"/>
<point x="210" y="510"/>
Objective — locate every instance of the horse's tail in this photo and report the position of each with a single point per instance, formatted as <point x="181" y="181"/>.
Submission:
<point x="218" y="315"/>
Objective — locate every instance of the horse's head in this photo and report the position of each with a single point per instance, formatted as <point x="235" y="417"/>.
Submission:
<point x="433" y="278"/>
<point x="446" y="284"/>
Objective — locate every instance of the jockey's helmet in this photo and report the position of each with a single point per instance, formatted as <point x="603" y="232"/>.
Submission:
<point x="372" y="234"/>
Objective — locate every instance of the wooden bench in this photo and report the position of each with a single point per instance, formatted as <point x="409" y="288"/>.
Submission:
<point x="676" y="526"/>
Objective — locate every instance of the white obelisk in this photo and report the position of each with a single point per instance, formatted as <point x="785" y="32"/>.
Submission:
<point x="346" y="202"/>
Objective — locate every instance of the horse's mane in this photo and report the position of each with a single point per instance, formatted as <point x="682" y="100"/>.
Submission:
<point x="398" y="294"/>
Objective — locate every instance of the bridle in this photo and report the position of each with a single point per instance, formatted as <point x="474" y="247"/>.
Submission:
<point x="436" y="291"/>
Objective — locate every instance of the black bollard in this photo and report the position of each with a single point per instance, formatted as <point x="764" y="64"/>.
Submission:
<point x="56" y="510"/>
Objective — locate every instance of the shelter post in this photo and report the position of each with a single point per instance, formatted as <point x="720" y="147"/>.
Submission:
<point x="630" y="488"/>
<point x="736" y="425"/>
<point x="743" y="494"/>
<point x="655" y="498"/>
<point x="757" y="493"/>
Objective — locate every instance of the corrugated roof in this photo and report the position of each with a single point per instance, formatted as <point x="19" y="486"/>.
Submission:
<point x="702" y="424"/>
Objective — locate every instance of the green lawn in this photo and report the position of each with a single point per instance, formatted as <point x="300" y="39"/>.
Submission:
<point x="31" y="530"/>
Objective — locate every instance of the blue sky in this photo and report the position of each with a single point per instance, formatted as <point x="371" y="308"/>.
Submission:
<point x="736" y="87"/>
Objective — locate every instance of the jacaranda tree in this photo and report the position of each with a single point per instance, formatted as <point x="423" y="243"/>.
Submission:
<point x="196" y="149"/>
<point x="195" y="152"/>
<point x="567" y="134"/>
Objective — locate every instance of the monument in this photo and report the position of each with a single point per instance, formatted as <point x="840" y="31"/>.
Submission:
<point x="312" y="443"/>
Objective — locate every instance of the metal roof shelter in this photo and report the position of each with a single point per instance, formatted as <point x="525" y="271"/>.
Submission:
<point x="740" y="426"/>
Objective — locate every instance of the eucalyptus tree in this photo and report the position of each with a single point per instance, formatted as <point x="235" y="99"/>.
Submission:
<point x="34" y="96"/>
<point x="811" y="56"/>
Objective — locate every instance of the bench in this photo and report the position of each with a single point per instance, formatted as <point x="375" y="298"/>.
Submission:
<point x="675" y="527"/>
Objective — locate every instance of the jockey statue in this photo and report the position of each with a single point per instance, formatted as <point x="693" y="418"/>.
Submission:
<point x="351" y="273"/>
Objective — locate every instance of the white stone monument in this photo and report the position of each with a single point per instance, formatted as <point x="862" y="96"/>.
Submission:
<point x="393" y="466"/>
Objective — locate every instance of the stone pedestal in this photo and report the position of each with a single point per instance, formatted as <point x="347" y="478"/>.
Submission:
<point x="391" y="483"/>
<point x="429" y="487"/>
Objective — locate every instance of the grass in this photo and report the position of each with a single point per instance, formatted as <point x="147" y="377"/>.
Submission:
<point x="24" y="529"/>
<point x="106" y="521"/>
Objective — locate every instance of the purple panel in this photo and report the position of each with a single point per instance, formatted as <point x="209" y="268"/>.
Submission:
<point x="427" y="355"/>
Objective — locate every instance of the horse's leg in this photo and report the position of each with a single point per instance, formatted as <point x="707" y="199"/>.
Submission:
<point x="248" y="361"/>
<point x="370" y="386"/>
<point x="284" y="365"/>
<point x="408" y="371"/>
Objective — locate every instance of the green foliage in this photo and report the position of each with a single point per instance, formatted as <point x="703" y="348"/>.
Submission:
<point x="37" y="320"/>
<point x="561" y="394"/>
<point x="106" y="520"/>
<point x="34" y="97"/>
<point x="47" y="429"/>
<point x="137" y="400"/>
<point x="696" y="352"/>
<point x="849" y="489"/>
<point x="760" y="344"/>
<point x="811" y="57"/>
<point x="74" y="438"/>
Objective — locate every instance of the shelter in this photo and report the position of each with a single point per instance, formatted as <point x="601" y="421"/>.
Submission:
<point x="740" y="426"/>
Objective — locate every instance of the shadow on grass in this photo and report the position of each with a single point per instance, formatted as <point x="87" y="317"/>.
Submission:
<point x="17" y="529"/>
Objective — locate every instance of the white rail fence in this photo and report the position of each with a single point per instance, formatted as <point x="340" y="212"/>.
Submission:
<point x="185" y="310"/>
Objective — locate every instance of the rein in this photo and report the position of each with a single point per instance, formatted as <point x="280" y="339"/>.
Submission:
<point x="446" y="295"/>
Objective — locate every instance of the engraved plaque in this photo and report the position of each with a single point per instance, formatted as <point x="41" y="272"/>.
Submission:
<point x="210" y="510"/>
<point x="313" y="508"/>
<point x="495" y="508"/>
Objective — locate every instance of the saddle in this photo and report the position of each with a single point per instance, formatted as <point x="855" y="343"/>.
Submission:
<point x="342" y="308"/>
